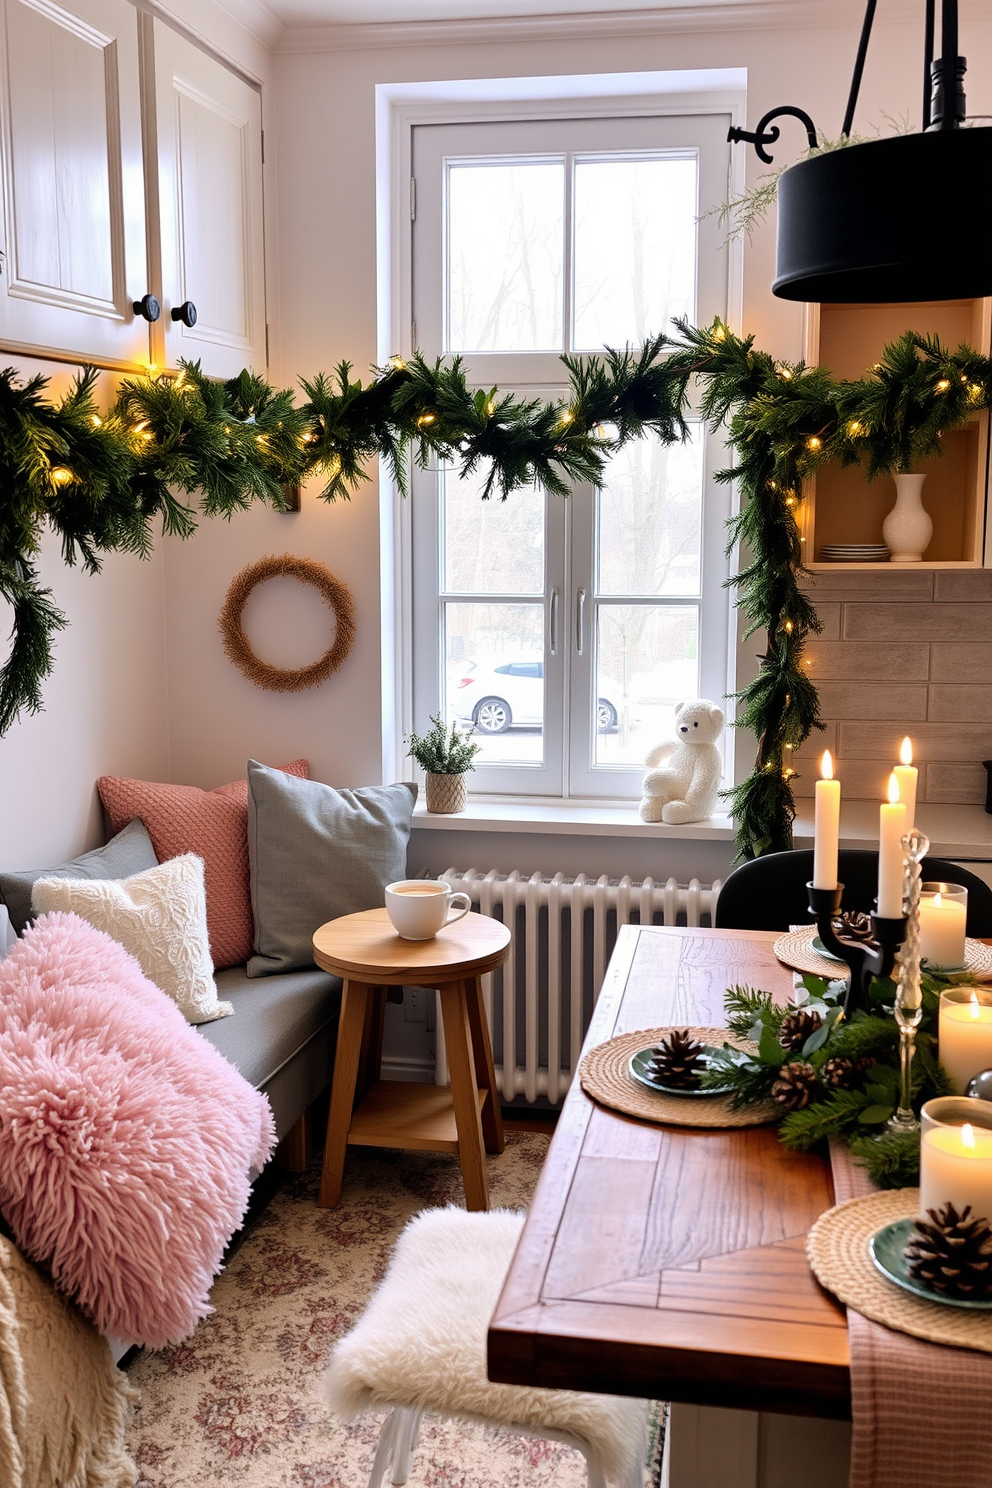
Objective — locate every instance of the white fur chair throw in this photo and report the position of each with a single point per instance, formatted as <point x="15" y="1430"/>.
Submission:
<point x="421" y="1343"/>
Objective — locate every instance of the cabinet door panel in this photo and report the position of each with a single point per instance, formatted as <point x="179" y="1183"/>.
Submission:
<point x="74" y="229"/>
<point x="210" y="203"/>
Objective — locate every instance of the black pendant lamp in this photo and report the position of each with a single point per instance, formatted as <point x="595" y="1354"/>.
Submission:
<point x="902" y="219"/>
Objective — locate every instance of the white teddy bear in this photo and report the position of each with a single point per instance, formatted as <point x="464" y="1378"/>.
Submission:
<point x="683" y="777"/>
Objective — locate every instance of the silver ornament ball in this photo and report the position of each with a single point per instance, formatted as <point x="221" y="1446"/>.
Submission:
<point x="979" y="1087"/>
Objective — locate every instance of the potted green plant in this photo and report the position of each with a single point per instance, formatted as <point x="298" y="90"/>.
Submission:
<point x="445" y="755"/>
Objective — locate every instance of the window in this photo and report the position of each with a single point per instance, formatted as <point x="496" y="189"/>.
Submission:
<point x="567" y="631"/>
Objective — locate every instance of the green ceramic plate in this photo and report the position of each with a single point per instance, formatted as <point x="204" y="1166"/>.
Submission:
<point x="821" y="948"/>
<point x="641" y="1061"/>
<point x="886" y="1250"/>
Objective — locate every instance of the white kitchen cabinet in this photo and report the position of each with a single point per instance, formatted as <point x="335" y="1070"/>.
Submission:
<point x="209" y="164"/>
<point x="116" y="127"/>
<point x="73" y="192"/>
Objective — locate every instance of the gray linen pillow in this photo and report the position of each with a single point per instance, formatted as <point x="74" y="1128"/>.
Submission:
<point x="128" y="853"/>
<point x="316" y="853"/>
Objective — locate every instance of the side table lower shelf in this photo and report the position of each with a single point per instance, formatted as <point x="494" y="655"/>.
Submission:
<point x="409" y="1116"/>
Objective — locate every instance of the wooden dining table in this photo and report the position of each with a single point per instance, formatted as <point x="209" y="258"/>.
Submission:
<point x="669" y="1261"/>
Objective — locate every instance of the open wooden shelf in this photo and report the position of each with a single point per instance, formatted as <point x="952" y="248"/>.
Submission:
<point x="412" y="1117"/>
<point x="840" y="506"/>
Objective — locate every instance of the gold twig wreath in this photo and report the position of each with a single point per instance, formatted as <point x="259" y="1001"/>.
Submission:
<point x="236" y="643"/>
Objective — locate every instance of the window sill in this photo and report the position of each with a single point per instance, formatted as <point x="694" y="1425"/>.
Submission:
<point x="565" y="818"/>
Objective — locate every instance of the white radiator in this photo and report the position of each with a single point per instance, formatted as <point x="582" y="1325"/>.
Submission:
<point x="563" y="932"/>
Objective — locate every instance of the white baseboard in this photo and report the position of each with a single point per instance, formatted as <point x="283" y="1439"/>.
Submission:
<point x="415" y="1067"/>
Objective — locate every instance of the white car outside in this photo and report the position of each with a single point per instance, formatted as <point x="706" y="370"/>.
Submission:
<point x="512" y="694"/>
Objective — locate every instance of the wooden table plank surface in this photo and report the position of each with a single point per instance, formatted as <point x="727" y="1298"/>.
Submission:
<point x="666" y="1261"/>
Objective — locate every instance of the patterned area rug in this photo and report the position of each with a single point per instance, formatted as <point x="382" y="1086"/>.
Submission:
<point x="238" y="1401"/>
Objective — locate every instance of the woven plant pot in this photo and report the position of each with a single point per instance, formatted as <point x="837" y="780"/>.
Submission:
<point x="446" y="794"/>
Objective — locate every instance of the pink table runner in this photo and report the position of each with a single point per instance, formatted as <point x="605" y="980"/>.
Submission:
<point x="922" y="1412"/>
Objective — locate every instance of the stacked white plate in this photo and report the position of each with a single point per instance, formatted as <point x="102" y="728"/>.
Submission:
<point x="854" y="553"/>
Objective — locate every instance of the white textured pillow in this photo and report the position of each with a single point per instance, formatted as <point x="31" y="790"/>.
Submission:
<point x="160" y="916"/>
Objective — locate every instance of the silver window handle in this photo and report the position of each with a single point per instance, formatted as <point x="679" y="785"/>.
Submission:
<point x="553" y="623"/>
<point x="580" y="621"/>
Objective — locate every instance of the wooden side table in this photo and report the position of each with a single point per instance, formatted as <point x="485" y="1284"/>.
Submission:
<point x="366" y="1111"/>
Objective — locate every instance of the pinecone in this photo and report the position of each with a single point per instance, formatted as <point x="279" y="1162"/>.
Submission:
<point x="677" y="1061"/>
<point x="854" y="925"/>
<point x="794" y="1085"/>
<point x="953" y="1254"/>
<point x="797" y="1027"/>
<point x="839" y="1073"/>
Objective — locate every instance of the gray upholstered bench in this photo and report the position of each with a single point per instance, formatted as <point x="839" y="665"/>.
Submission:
<point x="282" y="1035"/>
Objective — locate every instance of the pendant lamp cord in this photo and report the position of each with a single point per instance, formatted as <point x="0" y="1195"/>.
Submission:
<point x="859" y="66"/>
<point x="927" y="60"/>
<point x="949" y="61"/>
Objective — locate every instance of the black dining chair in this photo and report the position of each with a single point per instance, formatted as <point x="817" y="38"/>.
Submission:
<point x="769" y="893"/>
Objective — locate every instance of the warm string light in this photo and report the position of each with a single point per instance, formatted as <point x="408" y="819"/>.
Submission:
<point x="397" y="363"/>
<point x="425" y="419"/>
<point x="814" y="442"/>
<point x="943" y="385"/>
<point x="61" y="476"/>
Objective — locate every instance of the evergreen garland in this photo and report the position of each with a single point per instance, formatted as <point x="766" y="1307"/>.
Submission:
<point x="865" y="1050"/>
<point x="172" y="448"/>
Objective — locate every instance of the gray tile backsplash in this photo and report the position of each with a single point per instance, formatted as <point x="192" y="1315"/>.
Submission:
<point x="907" y="652"/>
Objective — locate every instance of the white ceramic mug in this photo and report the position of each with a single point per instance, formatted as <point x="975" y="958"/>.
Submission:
<point x="420" y="907"/>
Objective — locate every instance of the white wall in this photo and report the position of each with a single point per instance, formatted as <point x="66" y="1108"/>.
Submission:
<point x="320" y="185"/>
<point x="106" y="703"/>
<point x="325" y="114"/>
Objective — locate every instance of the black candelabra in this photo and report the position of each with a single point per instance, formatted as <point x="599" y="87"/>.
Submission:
<point x="867" y="943"/>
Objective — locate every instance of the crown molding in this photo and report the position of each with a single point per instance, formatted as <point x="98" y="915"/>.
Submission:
<point x="591" y="25"/>
<point x="257" y="19"/>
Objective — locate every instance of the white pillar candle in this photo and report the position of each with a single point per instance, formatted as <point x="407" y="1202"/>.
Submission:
<point x="956" y="1168"/>
<point x="907" y="775"/>
<point x="826" y="826"/>
<point x="942" y="929"/>
<point x="964" y="1034"/>
<point x="891" y="830"/>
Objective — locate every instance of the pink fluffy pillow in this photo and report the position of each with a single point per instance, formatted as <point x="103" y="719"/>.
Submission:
<point x="214" y="825"/>
<point x="125" y="1138"/>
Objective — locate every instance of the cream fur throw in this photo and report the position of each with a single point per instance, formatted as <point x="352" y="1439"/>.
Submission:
<point x="160" y="916"/>
<point x="64" y="1408"/>
<point x="421" y="1342"/>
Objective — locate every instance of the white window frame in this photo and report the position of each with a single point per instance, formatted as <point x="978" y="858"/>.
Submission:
<point x="400" y="108"/>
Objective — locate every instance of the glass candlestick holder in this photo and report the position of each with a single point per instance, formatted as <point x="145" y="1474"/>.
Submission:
<point x="909" y="996"/>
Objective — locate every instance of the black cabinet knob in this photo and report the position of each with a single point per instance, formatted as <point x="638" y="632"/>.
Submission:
<point x="148" y="306"/>
<point x="186" y="312"/>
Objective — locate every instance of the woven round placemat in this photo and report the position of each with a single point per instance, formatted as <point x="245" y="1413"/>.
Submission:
<point x="795" y="949"/>
<point x="837" y="1247"/>
<point x="605" y="1077"/>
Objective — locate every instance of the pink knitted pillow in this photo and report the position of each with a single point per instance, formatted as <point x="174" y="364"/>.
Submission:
<point x="212" y="824"/>
<point x="125" y="1138"/>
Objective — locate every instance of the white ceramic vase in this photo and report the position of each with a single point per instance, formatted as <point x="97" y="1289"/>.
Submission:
<point x="908" y="528"/>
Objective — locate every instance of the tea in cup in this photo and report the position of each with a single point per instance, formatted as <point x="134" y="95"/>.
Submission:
<point x="420" y="907"/>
